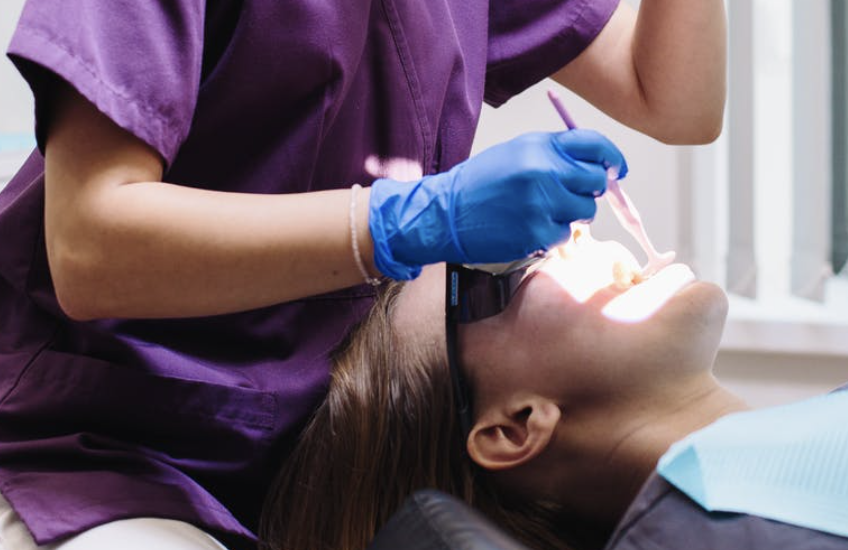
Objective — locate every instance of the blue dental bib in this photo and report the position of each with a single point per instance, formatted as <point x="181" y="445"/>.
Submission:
<point x="787" y="463"/>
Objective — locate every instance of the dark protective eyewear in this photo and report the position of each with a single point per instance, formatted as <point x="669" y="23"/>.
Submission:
<point x="472" y="295"/>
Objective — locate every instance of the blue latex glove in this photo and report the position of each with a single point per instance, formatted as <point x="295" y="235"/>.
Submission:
<point x="501" y="205"/>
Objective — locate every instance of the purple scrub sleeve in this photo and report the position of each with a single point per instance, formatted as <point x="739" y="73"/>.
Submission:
<point x="138" y="62"/>
<point x="188" y="418"/>
<point x="531" y="41"/>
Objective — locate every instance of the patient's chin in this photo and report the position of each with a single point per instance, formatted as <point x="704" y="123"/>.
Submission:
<point x="705" y="300"/>
<point x="691" y="325"/>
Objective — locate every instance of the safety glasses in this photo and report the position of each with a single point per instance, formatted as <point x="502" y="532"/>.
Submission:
<point x="472" y="295"/>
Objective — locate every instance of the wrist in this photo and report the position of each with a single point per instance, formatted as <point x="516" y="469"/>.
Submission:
<point x="360" y="236"/>
<point x="384" y="202"/>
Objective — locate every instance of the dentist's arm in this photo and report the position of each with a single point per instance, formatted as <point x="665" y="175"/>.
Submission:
<point x="122" y="243"/>
<point x="661" y="71"/>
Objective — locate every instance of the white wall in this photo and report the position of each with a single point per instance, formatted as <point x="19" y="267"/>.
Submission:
<point x="16" y="106"/>
<point x="15" y="99"/>
<point x="773" y="378"/>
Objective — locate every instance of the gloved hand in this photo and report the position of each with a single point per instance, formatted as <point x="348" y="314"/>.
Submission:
<point x="501" y="205"/>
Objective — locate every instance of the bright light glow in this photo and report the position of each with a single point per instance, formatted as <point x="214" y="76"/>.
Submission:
<point x="583" y="266"/>
<point x="646" y="298"/>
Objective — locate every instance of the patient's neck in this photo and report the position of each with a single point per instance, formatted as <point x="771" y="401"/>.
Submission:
<point x="646" y="432"/>
<point x="644" y="436"/>
<point x="612" y="469"/>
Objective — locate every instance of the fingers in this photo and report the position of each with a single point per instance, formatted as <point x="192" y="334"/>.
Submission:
<point x="582" y="209"/>
<point x="590" y="157"/>
<point x="570" y="206"/>
<point x="590" y="147"/>
<point x="586" y="179"/>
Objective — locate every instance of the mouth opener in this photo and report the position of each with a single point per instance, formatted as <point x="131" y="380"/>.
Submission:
<point x="624" y="209"/>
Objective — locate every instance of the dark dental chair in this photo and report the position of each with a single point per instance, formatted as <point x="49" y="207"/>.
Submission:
<point x="430" y="520"/>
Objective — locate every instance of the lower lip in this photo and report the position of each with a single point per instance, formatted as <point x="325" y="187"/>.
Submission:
<point x="643" y="300"/>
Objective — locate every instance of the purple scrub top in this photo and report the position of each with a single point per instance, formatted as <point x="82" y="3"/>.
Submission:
<point x="187" y="419"/>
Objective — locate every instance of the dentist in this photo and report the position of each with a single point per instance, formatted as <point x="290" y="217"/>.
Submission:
<point x="189" y="240"/>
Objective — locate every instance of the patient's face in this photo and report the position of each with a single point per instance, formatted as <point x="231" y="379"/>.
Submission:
<point x="559" y="337"/>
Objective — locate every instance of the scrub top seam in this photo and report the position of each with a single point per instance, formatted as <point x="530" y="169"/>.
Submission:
<point x="92" y="87"/>
<point x="227" y="522"/>
<point x="82" y="64"/>
<point x="40" y="237"/>
<point x="500" y="93"/>
<point x="411" y="76"/>
<point x="261" y="416"/>
<point x="26" y="368"/>
<point x="221" y="62"/>
<point x="581" y="17"/>
<point x="56" y="326"/>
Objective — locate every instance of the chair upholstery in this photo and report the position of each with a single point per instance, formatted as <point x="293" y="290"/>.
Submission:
<point x="431" y="520"/>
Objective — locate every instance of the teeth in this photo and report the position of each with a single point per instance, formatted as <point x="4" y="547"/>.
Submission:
<point x="625" y="276"/>
<point x="644" y="300"/>
<point x="577" y="234"/>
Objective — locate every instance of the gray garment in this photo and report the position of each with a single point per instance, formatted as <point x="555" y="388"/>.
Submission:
<point x="663" y="518"/>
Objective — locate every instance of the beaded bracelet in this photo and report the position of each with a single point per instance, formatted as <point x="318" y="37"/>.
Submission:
<point x="373" y="281"/>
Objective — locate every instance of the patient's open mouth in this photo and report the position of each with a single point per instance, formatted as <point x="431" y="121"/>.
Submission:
<point x="584" y="266"/>
<point x="643" y="300"/>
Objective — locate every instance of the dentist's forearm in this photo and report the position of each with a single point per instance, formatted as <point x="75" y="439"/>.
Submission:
<point x="121" y="243"/>
<point x="661" y="71"/>
<point x="161" y="250"/>
<point x="680" y="56"/>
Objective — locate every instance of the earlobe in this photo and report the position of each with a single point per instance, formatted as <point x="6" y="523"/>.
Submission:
<point x="506" y="438"/>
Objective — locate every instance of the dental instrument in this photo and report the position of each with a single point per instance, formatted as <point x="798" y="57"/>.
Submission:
<point x="624" y="209"/>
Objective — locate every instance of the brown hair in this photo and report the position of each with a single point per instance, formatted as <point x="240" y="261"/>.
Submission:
<point x="387" y="428"/>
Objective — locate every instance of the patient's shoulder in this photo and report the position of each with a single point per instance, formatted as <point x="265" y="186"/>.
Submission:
<point x="663" y="518"/>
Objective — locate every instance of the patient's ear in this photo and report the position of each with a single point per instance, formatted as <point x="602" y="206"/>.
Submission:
<point x="506" y="436"/>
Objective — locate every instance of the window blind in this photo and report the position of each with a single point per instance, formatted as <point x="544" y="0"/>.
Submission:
<point x="811" y="149"/>
<point x="741" y="276"/>
<point x="839" y="62"/>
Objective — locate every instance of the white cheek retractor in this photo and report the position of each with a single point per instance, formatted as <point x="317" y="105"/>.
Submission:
<point x="622" y="206"/>
<point x="629" y="218"/>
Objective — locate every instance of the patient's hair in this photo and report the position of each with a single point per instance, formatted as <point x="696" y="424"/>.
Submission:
<point x="387" y="428"/>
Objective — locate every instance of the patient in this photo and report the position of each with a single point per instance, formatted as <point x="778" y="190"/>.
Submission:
<point x="578" y="387"/>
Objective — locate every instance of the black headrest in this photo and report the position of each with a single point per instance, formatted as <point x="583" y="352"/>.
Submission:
<point x="431" y="520"/>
